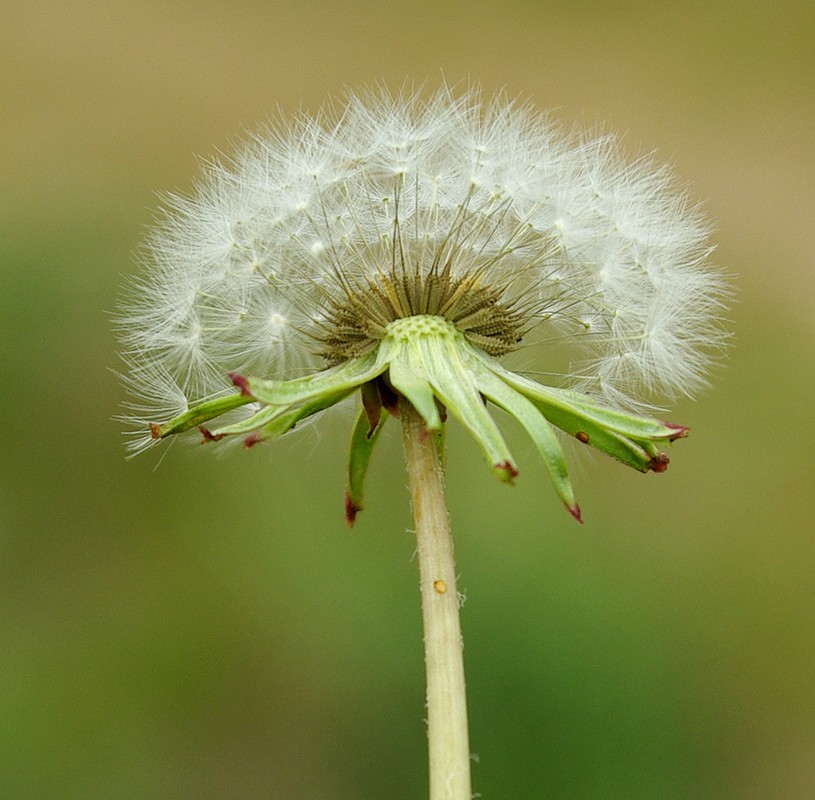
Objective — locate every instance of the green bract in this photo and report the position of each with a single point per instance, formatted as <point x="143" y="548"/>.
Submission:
<point x="427" y="360"/>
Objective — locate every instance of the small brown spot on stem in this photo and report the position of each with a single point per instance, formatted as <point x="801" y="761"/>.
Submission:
<point x="440" y="586"/>
<point x="582" y="436"/>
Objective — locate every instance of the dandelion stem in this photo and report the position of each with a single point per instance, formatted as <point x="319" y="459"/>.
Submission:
<point x="448" y="741"/>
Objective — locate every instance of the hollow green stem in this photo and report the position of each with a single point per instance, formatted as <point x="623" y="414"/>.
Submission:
<point x="447" y="735"/>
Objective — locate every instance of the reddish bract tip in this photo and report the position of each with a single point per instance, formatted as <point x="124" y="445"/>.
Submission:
<point x="351" y="511"/>
<point x="252" y="440"/>
<point x="508" y="469"/>
<point x="155" y="430"/>
<point x="659" y="463"/>
<point x="241" y="383"/>
<point x="209" y="436"/>
<point x="681" y="431"/>
<point x="575" y="512"/>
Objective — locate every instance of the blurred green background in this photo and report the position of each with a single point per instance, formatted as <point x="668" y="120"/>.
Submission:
<point x="207" y="628"/>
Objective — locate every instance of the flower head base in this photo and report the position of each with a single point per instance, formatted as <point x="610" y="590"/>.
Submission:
<point x="429" y="361"/>
<point x="400" y="251"/>
<point x="358" y="322"/>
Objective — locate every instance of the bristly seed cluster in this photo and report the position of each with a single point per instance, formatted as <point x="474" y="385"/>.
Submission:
<point x="357" y="321"/>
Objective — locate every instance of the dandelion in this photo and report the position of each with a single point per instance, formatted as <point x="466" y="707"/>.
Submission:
<point x="433" y="256"/>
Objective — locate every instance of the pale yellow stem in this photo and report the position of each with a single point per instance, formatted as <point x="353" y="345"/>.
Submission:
<point x="448" y="741"/>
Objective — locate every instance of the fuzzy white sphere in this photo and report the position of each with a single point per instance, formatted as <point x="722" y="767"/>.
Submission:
<point x="606" y="256"/>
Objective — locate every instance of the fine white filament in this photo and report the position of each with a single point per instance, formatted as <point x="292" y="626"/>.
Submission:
<point x="606" y="255"/>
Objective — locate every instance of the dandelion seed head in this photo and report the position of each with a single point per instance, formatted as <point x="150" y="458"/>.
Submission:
<point x="299" y="250"/>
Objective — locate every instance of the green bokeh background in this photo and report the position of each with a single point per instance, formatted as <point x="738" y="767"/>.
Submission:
<point x="209" y="629"/>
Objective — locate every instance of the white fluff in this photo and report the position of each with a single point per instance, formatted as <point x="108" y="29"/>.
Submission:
<point x="610" y="255"/>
